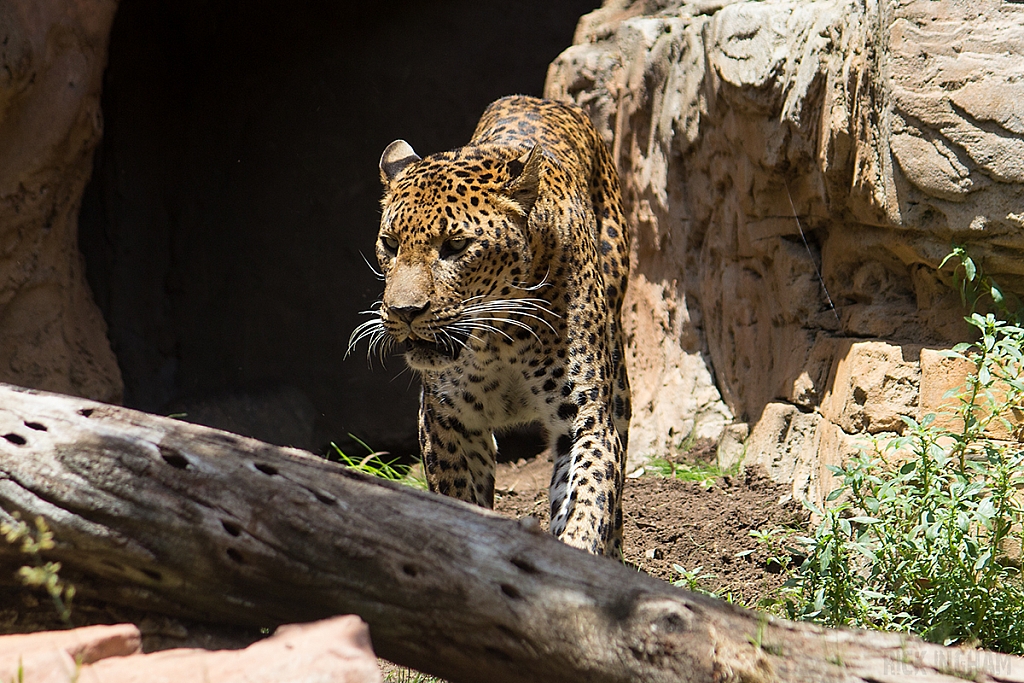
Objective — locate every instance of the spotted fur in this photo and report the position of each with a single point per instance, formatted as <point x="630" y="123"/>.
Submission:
<point x="505" y="263"/>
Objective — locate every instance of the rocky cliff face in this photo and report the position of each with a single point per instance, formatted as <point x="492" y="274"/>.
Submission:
<point x="52" y="55"/>
<point x="795" y="172"/>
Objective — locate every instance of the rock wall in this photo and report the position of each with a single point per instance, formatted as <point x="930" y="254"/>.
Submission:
<point x="52" y="55"/>
<point x="795" y="172"/>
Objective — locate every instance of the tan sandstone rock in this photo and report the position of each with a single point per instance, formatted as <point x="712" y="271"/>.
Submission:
<point x="52" y="56"/>
<point x="764" y="144"/>
<point x="335" y="650"/>
<point x="797" y="448"/>
<point x="871" y="385"/>
<point x="944" y="385"/>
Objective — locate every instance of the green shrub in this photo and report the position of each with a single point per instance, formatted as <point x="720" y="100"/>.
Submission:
<point x="34" y="542"/>
<point x="925" y="533"/>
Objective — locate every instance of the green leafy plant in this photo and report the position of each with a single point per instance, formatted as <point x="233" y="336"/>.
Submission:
<point x="775" y="542"/>
<point x="403" y="675"/>
<point x="703" y="473"/>
<point x="978" y="291"/>
<point x="924" y="535"/>
<point x="35" y="541"/>
<point x="691" y="579"/>
<point x="374" y="464"/>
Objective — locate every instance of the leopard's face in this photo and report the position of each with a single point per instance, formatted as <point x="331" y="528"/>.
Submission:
<point x="453" y="249"/>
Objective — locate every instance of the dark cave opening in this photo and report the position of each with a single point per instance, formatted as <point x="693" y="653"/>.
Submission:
<point x="235" y="193"/>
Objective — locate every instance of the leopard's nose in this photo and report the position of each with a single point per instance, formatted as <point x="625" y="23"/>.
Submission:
<point x="409" y="313"/>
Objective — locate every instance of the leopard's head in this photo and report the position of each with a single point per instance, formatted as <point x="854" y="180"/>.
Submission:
<point x="453" y="247"/>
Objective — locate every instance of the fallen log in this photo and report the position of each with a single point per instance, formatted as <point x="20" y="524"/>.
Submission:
<point x="167" y="516"/>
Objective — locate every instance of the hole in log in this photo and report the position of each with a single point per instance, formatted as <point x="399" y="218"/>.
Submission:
<point x="174" y="458"/>
<point x="153" y="574"/>
<point x="672" y="623"/>
<point x="16" y="439"/>
<point x="265" y="469"/>
<point x="86" y="412"/>
<point x="231" y="527"/>
<point x="511" y="591"/>
<point x="225" y="438"/>
<point x="410" y="569"/>
<point x="325" y="499"/>
<point x="235" y="556"/>
<point x="524" y="565"/>
<point x="36" y="426"/>
<point x="498" y="654"/>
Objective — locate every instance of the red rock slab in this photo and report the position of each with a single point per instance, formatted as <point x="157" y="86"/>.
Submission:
<point x="335" y="650"/>
<point x="51" y="656"/>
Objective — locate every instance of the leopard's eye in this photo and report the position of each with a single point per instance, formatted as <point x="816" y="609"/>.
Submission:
<point x="390" y="244"/>
<point x="454" y="245"/>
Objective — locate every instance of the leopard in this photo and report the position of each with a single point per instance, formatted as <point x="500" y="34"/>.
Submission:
<point x="505" y="263"/>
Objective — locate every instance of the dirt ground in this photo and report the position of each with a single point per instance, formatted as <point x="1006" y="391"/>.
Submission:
<point x="671" y="522"/>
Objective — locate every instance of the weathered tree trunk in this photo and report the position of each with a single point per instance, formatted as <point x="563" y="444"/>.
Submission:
<point x="168" y="516"/>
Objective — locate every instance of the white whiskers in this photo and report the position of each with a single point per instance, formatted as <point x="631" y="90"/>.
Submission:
<point x="477" y="319"/>
<point x="483" y="315"/>
<point x="373" y="268"/>
<point x="373" y="329"/>
<point x="533" y="288"/>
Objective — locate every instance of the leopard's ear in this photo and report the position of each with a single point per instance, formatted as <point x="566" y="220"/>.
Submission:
<point x="396" y="156"/>
<point x="525" y="184"/>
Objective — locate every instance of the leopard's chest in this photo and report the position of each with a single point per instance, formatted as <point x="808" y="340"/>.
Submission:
<point x="497" y="388"/>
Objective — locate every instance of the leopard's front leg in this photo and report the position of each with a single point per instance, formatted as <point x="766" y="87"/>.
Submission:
<point x="586" y="484"/>
<point x="459" y="453"/>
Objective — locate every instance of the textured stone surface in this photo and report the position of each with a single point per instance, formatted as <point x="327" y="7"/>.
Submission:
<point x="944" y="378"/>
<point x="50" y="656"/>
<point x="797" y="448"/>
<point x="52" y="55"/>
<point x="873" y="383"/>
<point x="940" y="375"/>
<point x="335" y="650"/>
<point x="762" y="144"/>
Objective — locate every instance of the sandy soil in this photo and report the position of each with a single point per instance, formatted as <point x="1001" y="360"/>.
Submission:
<point x="670" y="522"/>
